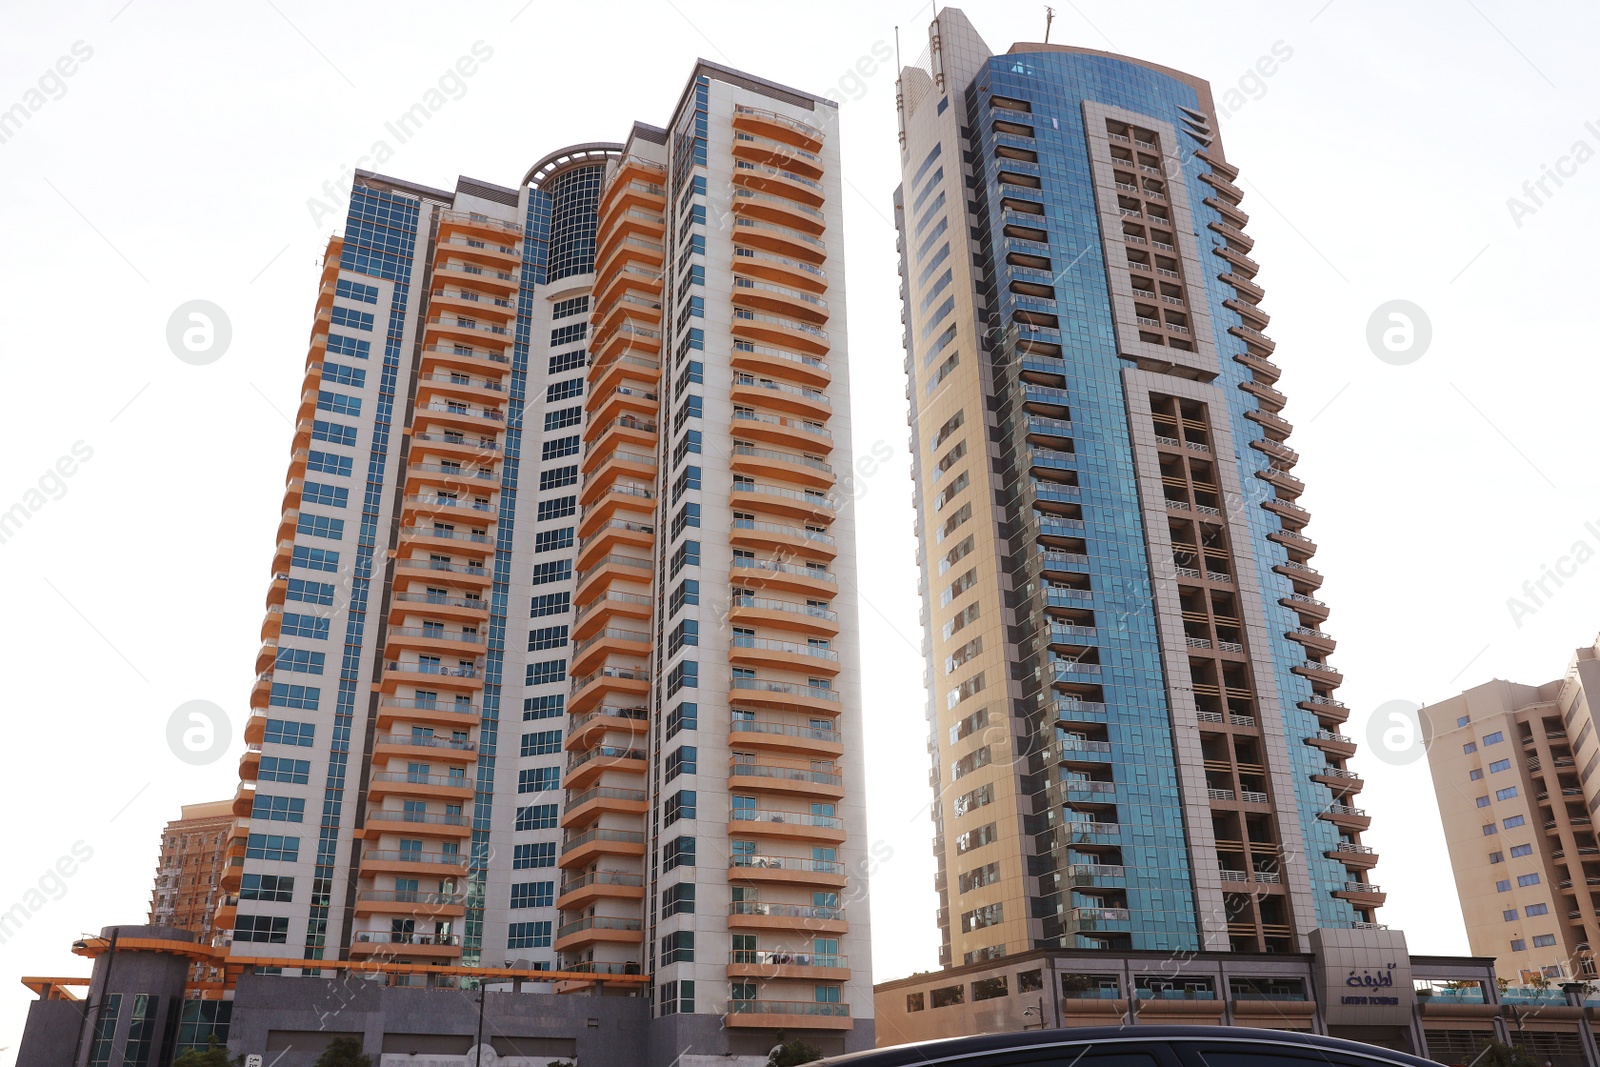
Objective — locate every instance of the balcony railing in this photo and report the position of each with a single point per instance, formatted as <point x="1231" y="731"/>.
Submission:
<point x="786" y="863"/>
<point x="814" y="692"/>
<point x="793" y="818"/>
<point x="784" y="958"/>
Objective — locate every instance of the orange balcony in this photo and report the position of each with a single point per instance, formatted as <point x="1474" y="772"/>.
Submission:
<point x="499" y="278"/>
<point x="409" y="902"/>
<point x="582" y="891"/>
<point x="778" y="208"/>
<point x="631" y="193"/>
<point x="794" y="656"/>
<point x="612" y="568"/>
<point x="600" y="845"/>
<point x="780" y="127"/>
<point x="811" y="506"/>
<point x="780" y="364"/>
<point x="628" y="431"/>
<point x="628" y="362"/>
<point x="436" y="538"/>
<point x="805" y="919"/>
<point x="758" y="461"/>
<point x="250" y="762"/>
<point x="584" y="807"/>
<point x="771" y="179"/>
<point x="432" y="639"/>
<point x="476" y="226"/>
<point x="446" y="865"/>
<point x="462" y="300"/>
<point x="778" y="268"/>
<point x="784" y="539"/>
<point x="474" y="454"/>
<point x="415" y="947"/>
<point x="416" y="824"/>
<point x="435" y="571"/>
<point x="593" y="651"/>
<point x="586" y="731"/>
<point x="487" y="358"/>
<point x="791" y="1015"/>
<point x="612" y="534"/>
<point x="786" y="870"/>
<point x="499" y="252"/>
<point x="430" y="747"/>
<point x="759" y="392"/>
<point x="779" y="239"/>
<point x="614" y="253"/>
<point x="261" y="691"/>
<point x="767" y="574"/>
<point x="625" y="501"/>
<point x="584" y="768"/>
<point x="622" y="400"/>
<point x="789" y="825"/>
<point x="407" y="602"/>
<point x="439" y="386"/>
<point x="806" y="434"/>
<point x="759" y="148"/>
<point x="427" y="711"/>
<point x="625" y="277"/>
<point x="783" y="963"/>
<point x="619" y="463"/>
<point x="786" y="739"/>
<point x="783" y="776"/>
<point x="451" y="676"/>
<point x="785" y="614"/>
<point x="765" y="692"/>
<point x="598" y="929"/>
<point x="474" y="418"/>
<point x="604" y="608"/>
<point x="420" y="786"/>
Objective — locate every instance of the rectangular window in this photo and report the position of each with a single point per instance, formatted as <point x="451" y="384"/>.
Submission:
<point x="284" y="769"/>
<point x="1493" y="739"/>
<point x="682" y="717"/>
<point x="332" y="496"/>
<point x="297" y="625"/>
<point x="278" y="809"/>
<point x="558" y="391"/>
<point x="562" y="362"/>
<point x="550" y="670"/>
<point x="679" y="852"/>
<point x="328" y="463"/>
<point x="538" y="854"/>
<point x="314" y="559"/>
<point x="1469" y="748"/>
<point x="551" y="604"/>
<point x="1499" y="765"/>
<point x="354" y="347"/>
<point x="562" y="418"/>
<point x="1519" y="945"/>
<point x="678" y="947"/>
<point x="266" y="929"/>
<point x="680" y="805"/>
<point x="1499" y="857"/>
<point x="1483" y="801"/>
<point x="558" y="508"/>
<point x="1521" y="850"/>
<point x="365" y="294"/>
<point x="545" y="573"/>
<point x="320" y="526"/>
<point x="538" y="817"/>
<point x="528" y="935"/>
<point x="547" y="637"/>
<point x="538" y="779"/>
<point x="681" y="760"/>
<point x="1489" y="828"/>
<point x="1505" y="794"/>
<point x="556" y="477"/>
<point x="284" y="732"/>
<point x="552" y="540"/>
<point x="685" y="675"/>
<point x="1535" y="909"/>
<point x="338" y="374"/>
<point x="1475" y="775"/>
<point x="1509" y="915"/>
<point x="1503" y="886"/>
<point x="1525" y="880"/>
<point x="310" y="592"/>
<point x="334" y="433"/>
<point x="1544" y="940"/>
<point x="560" y="446"/>
<point x="359" y="320"/>
<point x="542" y="743"/>
<point x="299" y="661"/>
<point x="545" y="707"/>
<point x="533" y="894"/>
<point x="677" y="899"/>
<point x="339" y="404"/>
<point x="275" y="887"/>
<point x="576" y="305"/>
<point x="272" y="847"/>
<point x="565" y="335"/>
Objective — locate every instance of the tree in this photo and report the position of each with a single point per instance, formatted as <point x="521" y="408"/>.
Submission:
<point x="214" y="1055"/>
<point x="792" y="1053"/>
<point x="1495" y="1054"/>
<point x="343" y="1052"/>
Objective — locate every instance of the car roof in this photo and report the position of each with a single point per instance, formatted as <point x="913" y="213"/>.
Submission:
<point x="926" y="1052"/>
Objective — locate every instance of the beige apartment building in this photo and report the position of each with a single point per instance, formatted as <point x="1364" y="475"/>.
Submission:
<point x="1514" y="773"/>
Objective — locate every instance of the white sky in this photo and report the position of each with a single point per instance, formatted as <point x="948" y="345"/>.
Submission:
<point x="178" y="161"/>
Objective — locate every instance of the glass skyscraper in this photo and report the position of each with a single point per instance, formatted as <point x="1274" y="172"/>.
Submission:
<point x="1135" y="738"/>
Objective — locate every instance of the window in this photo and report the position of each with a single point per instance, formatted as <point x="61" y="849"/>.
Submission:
<point x="557" y="508"/>
<point x="296" y="625"/>
<point x="973" y="839"/>
<point x="686" y="674"/>
<point x="561" y="418"/>
<point x="1499" y="765"/>
<point x="1536" y="909"/>
<point x="1519" y="945"/>
<point x="1497" y="857"/>
<point x="314" y="559"/>
<point x="359" y="320"/>
<point x="1463" y="720"/>
<point x="677" y="899"/>
<point x="685" y="593"/>
<point x="1489" y="828"/>
<point x="1469" y="748"/>
<point x="1514" y="822"/>
<point x="278" y="887"/>
<point x="679" y="852"/>
<point x="1483" y="802"/>
<point x="677" y="998"/>
<point x="542" y="743"/>
<point x="978" y="918"/>
<point x="282" y="769"/>
<point x="334" y="433"/>
<point x="538" y="779"/>
<point x="287" y="732"/>
<point x="558" y="391"/>
<point x="300" y="660"/>
<point x="310" y="592"/>
<point x="339" y="403"/>
<point x="945" y="996"/>
<point x="565" y="335"/>
<point x="278" y="809"/>
<point x="680" y="805"/>
<point x="556" y="477"/>
<point x="366" y="294"/>
<point x="1509" y="915"/>
<point x="562" y="362"/>
<point x="560" y="446"/>
<point x="545" y="573"/>
<point x="545" y="707"/>
<point x="915" y="1002"/>
<point x="1544" y="940"/>
<point x="990" y="988"/>
<point x="551" y="604"/>
<point x="1506" y="793"/>
<point x="355" y="347"/>
<point x="533" y="894"/>
<point x="538" y="854"/>
<point x="1525" y="880"/>
<point x="552" y="540"/>
<point x="538" y="817"/>
<point x="574" y="306"/>
<point x="680" y="760"/>
<point x="333" y="496"/>
<point x="678" y="947"/>
<point x="268" y="929"/>
<point x="1475" y="775"/>
<point x="272" y="847"/>
<point x="682" y="717"/>
<point x="1493" y="739"/>
<point x="528" y="935"/>
<point x="1503" y="886"/>
<point x="685" y="555"/>
<point x="543" y="673"/>
<point x="988" y="874"/>
<point x="547" y="637"/>
<point x="1521" y="850"/>
<point x="687" y="632"/>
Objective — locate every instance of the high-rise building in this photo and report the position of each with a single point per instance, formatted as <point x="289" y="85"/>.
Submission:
<point x="1134" y="731"/>
<point x="566" y="462"/>
<point x="189" y="873"/>
<point x="1514" y="772"/>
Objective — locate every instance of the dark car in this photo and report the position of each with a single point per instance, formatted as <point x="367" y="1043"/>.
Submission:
<point x="1135" y="1046"/>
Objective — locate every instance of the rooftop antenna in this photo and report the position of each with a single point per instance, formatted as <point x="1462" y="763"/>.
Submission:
<point x="897" y="48"/>
<point x="1049" y="17"/>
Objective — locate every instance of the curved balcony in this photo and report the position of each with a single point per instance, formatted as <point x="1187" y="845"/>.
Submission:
<point x="474" y="418"/>
<point x="1346" y="817"/>
<point x="761" y="360"/>
<point x="412" y="947"/>
<point x="628" y="431"/>
<point x="770" y="574"/>
<point x="597" y="929"/>
<point x="460" y="386"/>
<point x="807" y="741"/>
<point x="780" y="464"/>
<point x="584" y="807"/>
<point x="810" y="505"/>
<point x="612" y="568"/>
<point x="791" y="1015"/>
<point x="641" y="343"/>
<point x="612" y="604"/>
<point x="405" y="603"/>
<point x="619" y="686"/>
<point x="779" y="429"/>
<point x="759" y="148"/>
<point x="619" y="463"/>
<point x="783" y="963"/>
<point x="627" y="307"/>
<point x="448" y="330"/>
<point x="783" y="240"/>
<point x="783" y="538"/>
<point x="611" y="534"/>
<point x="430" y="747"/>
<point x="593" y="846"/>
<point x="771" y="179"/>
<point x="789" y="825"/>
<point x="585" y="889"/>
<point x="622" y="400"/>
<point x="780" y="209"/>
<point x="583" y="768"/>
<point x="784" y="614"/>
<point x="790" y="918"/>
<point x="427" y="711"/>
<point x="628" y="278"/>
<point x="786" y="870"/>
<point x="784" y="270"/>
<point x="764" y="392"/>
<point x="762" y="327"/>
<point x="434" y="676"/>
<point x="500" y="251"/>
<point x="409" y="861"/>
<point x="778" y="775"/>
<point x="428" y="470"/>
<point x="593" y="651"/>
<point x="780" y="127"/>
<point x="432" y="639"/>
<point x="765" y="692"/>
<point x="416" y="824"/>
<point x="409" y="902"/>
<point x="466" y="301"/>
<point x="484" y="357"/>
<point x="586" y="730"/>
<point x="630" y="194"/>
<point x="616" y="253"/>
<point x="633" y="503"/>
<point x="420" y="786"/>
<point x="637" y="222"/>
<point x="783" y="655"/>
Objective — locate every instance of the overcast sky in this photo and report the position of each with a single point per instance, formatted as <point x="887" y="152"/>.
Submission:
<point x="177" y="151"/>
